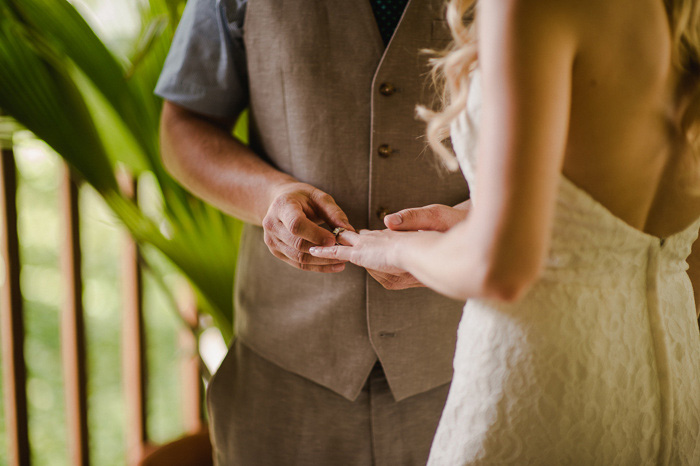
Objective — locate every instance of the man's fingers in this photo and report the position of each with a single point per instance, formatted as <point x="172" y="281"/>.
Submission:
<point x="312" y="268"/>
<point x="296" y="222"/>
<point x="292" y="254"/>
<point x="326" y="208"/>
<point x="314" y="264"/>
<point x="295" y="242"/>
<point x="301" y="259"/>
<point x="395" y="281"/>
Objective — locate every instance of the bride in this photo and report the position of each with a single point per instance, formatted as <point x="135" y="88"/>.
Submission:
<point x="579" y="342"/>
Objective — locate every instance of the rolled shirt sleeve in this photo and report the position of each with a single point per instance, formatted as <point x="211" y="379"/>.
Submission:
<point x="205" y="70"/>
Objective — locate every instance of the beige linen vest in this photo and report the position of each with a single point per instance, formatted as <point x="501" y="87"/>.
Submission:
<point x="331" y="107"/>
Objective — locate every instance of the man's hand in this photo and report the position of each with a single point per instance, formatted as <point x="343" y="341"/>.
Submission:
<point x="435" y="217"/>
<point x="400" y="281"/>
<point x="292" y="222"/>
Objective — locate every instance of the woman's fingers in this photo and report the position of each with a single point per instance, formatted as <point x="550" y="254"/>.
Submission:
<point x="341" y="253"/>
<point x="367" y="249"/>
<point x="348" y="238"/>
<point x="434" y="217"/>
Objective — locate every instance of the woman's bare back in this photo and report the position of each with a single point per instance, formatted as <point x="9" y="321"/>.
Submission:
<point x="623" y="133"/>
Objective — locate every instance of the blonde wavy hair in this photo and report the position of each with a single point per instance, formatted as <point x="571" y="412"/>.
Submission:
<point x="451" y="72"/>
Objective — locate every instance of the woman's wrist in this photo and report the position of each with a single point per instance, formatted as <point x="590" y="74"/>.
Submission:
<point x="397" y="251"/>
<point x="410" y="246"/>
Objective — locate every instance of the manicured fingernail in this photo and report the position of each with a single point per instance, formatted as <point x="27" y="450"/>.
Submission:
<point x="313" y="250"/>
<point x="394" y="219"/>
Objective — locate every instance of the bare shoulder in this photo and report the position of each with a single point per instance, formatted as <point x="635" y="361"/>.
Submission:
<point x="566" y="13"/>
<point x="530" y="30"/>
<point x="576" y="19"/>
<point x="612" y="31"/>
<point x="535" y="21"/>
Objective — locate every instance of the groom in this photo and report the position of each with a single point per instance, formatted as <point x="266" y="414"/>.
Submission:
<point x="329" y="366"/>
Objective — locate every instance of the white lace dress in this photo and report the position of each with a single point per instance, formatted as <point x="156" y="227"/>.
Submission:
<point x="599" y="364"/>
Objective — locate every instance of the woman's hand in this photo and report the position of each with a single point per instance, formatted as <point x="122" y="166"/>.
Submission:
<point x="434" y="217"/>
<point x="378" y="250"/>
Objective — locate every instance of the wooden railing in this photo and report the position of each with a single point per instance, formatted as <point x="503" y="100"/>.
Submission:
<point x="11" y="319"/>
<point x="194" y="448"/>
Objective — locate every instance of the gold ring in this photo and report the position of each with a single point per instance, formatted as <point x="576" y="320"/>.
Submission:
<point x="337" y="232"/>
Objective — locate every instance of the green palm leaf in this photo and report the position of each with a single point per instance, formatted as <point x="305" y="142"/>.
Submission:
<point x="44" y="99"/>
<point x="61" y="81"/>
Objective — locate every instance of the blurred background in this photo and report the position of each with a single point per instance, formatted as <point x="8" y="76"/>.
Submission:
<point x="76" y="88"/>
<point x="40" y="240"/>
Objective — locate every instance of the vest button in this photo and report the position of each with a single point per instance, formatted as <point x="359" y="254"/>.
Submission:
<point x="382" y="212"/>
<point x="385" y="150"/>
<point x="387" y="89"/>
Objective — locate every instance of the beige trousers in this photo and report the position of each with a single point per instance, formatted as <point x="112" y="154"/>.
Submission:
<point x="262" y="415"/>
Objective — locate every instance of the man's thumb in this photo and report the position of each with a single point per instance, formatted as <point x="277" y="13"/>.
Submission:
<point x="331" y="213"/>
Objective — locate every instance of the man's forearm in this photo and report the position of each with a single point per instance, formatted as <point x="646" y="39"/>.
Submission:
<point x="203" y="156"/>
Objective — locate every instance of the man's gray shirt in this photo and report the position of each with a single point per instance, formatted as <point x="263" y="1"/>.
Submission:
<point x="206" y="70"/>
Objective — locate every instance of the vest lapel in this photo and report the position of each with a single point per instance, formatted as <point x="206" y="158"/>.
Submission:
<point x="409" y="5"/>
<point x="373" y="27"/>
<point x="370" y="23"/>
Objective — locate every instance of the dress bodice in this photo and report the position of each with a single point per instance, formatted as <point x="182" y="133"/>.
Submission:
<point x="598" y="364"/>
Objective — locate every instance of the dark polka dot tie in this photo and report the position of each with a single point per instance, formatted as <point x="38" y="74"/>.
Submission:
<point x="388" y="13"/>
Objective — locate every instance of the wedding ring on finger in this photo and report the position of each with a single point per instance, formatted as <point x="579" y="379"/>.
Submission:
<point x="337" y="232"/>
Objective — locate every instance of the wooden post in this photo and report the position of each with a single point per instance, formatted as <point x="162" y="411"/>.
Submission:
<point x="11" y="319"/>
<point x="73" y="326"/>
<point x="192" y="390"/>
<point x="133" y="341"/>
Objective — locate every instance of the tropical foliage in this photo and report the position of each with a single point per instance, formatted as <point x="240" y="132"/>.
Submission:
<point x="97" y="110"/>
